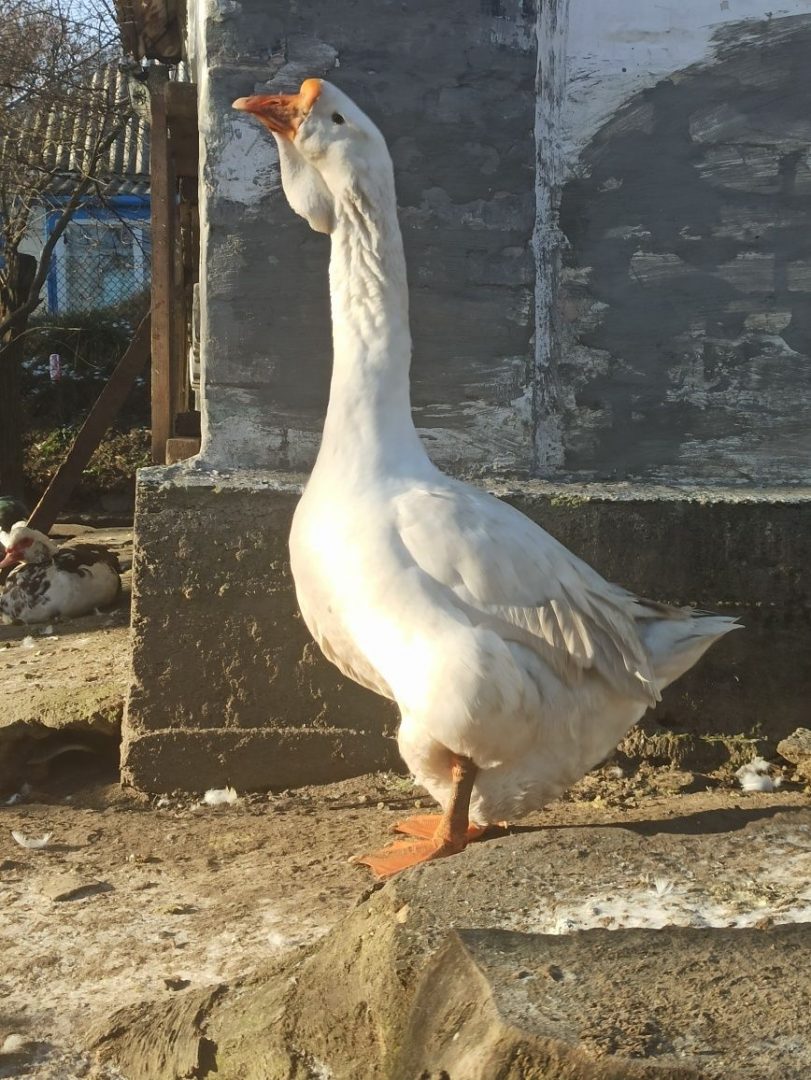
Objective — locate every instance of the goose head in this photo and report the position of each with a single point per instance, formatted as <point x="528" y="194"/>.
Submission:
<point x="26" y="545"/>
<point x="328" y="149"/>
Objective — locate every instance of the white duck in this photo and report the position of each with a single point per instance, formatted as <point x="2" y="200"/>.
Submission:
<point x="48" y="582"/>
<point x="515" y="666"/>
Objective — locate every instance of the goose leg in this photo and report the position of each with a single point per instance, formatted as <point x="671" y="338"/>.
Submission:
<point x="450" y="832"/>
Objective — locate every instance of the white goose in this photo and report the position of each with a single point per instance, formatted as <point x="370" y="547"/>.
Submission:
<point x="49" y="582"/>
<point x="515" y="666"/>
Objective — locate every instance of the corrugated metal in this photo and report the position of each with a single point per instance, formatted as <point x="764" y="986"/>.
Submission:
<point x="63" y="140"/>
<point x="124" y="169"/>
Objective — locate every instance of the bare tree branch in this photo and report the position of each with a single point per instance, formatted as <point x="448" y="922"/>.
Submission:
<point x="68" y="210"/>
<point x="59" y="119"/>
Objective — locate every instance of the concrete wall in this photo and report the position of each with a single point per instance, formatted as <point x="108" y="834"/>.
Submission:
<point x="453" y="89"/>
<point x="228" y="685"/>
<point x="684" y="332"/>
<point x="633" y="305"/>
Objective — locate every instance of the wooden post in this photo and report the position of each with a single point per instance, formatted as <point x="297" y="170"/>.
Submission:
<point x="13" y="342"/>
<point x="180" y="397"/>
<point x="109" y="401"/>
<point x="163" y="198"/>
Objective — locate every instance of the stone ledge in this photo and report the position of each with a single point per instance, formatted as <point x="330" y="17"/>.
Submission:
<point x="220" y="650"/>
<point x="454" y="969"/>
<point x="253" y="759"/>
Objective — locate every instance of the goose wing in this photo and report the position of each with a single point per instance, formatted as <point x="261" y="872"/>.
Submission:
<point x="506" y="572"/>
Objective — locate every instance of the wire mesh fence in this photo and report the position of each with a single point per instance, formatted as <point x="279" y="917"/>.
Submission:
<point x="102" y="260"/>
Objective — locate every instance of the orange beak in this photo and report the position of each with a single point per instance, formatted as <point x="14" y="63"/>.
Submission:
<point x="282" y="113"/>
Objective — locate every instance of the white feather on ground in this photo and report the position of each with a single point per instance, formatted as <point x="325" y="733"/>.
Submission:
<point x="31" y="842"/>
<point x="226" y="796"/>
<point x="756" y="776"/>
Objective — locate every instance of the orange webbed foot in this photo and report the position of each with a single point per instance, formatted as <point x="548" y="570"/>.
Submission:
<point x="404" y="853"/>
<point x="426" y="826"/>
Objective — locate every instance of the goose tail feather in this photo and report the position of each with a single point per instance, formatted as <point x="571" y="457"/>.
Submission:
<point x="674" y="645"/>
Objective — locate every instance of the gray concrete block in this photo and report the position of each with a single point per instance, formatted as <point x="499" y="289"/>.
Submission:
<point x="228" y="685"/>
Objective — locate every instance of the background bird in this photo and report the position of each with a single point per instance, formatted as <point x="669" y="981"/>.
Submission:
<point x="48" y="582"/>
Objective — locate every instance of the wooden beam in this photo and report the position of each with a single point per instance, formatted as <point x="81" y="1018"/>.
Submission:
<point x="181" y="102"/>
<point x="179" y="380"/>
<point x="181" y="110"/>
<point x="163" y="199"/>
<point x="179" y="449"/>
<point x="98" y="420"/>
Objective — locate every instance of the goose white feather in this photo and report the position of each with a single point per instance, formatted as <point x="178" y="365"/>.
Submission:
<point x="497" y="643"/>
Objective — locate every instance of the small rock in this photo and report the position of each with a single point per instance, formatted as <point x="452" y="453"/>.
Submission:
<point x="174" y="983"/>
<point x="72" y="887"/>
<point x="401" y="915"/>
<point x="178" y="909"/>
<point x="797" y="749"/>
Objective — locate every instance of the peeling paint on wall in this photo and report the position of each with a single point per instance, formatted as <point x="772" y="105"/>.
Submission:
<point x="687" y="337"/>
<point x="249" y="164"/>
<point x="626" y="295"/>
<point x="550" y="86"/>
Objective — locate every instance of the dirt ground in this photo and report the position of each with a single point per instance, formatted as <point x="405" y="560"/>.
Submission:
<point x="171" y="893"/>
<point x="134" y="899"/>
<point x="64" y="675"/>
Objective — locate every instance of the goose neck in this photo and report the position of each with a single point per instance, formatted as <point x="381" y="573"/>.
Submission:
<point x="370" y="401"/>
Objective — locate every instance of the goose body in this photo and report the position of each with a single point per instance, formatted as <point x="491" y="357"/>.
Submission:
<point x="515" y="665"/>
<point x="48" y="582"/>
<point x="496" y="642"/>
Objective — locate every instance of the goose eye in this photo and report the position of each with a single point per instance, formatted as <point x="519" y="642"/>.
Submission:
<point x="337" y="118"/>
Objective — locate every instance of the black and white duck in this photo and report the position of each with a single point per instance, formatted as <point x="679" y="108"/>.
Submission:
<point x="48" y="582"/>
